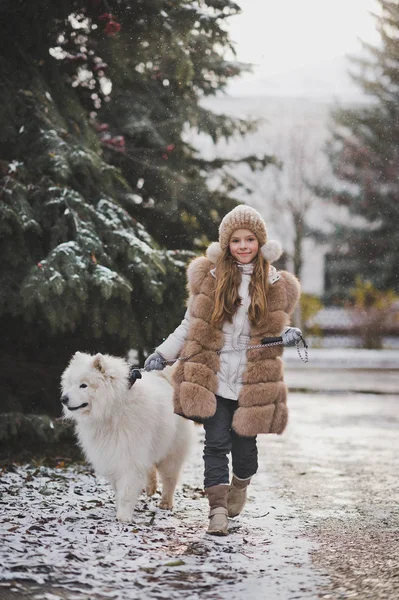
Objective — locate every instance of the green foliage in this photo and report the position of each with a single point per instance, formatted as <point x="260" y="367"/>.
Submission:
<point x="310" y="305"/>
<point x="363" y="155"/>
<point x="103" y="201"/>
<point x="39" y="428"/>
<point x="374" y="312"/>
<point x="36" y="435"/>
<point x="153" y="105"/>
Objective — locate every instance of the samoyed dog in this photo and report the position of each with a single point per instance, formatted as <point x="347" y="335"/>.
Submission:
<point x="127" y="433"/>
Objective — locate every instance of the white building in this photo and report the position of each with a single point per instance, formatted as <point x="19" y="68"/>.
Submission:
<point x="295" y="120"/>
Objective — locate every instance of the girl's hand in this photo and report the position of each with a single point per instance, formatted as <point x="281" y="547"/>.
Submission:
<point x="291" y="336"/>
<point x="155" y="362"/>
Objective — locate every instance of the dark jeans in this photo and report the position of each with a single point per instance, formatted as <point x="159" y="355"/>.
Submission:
<point x="220" y="440"/>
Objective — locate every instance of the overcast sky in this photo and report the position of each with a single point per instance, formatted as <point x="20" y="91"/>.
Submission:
<point x="282" y="35"/>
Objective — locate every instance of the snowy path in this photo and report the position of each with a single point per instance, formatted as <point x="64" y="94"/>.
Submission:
<point x="322" y="521"/>
<point x="59" y="539"/>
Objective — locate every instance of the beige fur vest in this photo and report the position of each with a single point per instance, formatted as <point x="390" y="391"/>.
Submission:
<point x="262" y="403"/>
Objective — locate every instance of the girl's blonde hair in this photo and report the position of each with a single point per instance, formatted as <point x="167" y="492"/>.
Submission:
<point x="227" y="299"/>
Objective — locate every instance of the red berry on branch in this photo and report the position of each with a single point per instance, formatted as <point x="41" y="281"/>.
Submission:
<point x="119" y="140"/>
<point x="100" y="66"/>
<point x="101" y="126"/>
<point x="111" y="28"/>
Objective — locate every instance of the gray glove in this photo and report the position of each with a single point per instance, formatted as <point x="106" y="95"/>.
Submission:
<point x="291" y="336"/>
<point x="155" y="362"/>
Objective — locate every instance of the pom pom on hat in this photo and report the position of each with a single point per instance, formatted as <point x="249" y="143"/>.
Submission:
<point x="271" y="251"/>
<point x="213" y="252"/>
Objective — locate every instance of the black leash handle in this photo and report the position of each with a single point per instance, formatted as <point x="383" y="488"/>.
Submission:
<point x="272" y="340"/>
<point x="279" y="340"/>
<point x="134" y="373"/>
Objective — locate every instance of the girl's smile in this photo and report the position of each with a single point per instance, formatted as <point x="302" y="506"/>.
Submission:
<point x="243" y="245"/>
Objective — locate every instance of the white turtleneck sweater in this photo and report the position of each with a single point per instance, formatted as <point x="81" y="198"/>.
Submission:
<point x="236" y="335"/>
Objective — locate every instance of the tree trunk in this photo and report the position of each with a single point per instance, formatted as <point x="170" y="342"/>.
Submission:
<point x="298" y="239"/>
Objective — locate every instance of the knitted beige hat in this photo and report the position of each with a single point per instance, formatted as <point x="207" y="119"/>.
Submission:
<point x="244" y="217"/>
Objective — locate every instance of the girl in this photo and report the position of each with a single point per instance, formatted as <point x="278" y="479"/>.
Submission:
<point x="235" y="299"/>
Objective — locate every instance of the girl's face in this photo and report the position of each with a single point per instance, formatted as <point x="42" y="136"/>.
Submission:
<point x="243" y="245"/>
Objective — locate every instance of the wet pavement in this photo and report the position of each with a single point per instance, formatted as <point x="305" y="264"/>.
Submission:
<point x="337" y="465"/>
<point x="344" y="370"/>
<point x="382" y="381"/>
<point x="322" y="520"/>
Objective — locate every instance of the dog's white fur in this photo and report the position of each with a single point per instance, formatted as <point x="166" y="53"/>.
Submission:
<point x="125" y="433"/>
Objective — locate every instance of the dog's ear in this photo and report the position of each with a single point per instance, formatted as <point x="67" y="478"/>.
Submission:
<point x="99" y="363"/>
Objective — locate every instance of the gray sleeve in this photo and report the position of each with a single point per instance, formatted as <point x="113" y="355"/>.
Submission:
<point x="171" y="347"/>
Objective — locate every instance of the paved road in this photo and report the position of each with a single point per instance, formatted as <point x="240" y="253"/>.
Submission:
<point x="366" y="381"/>
<point x="344" y="370"/>
<point x="338" y="467"/>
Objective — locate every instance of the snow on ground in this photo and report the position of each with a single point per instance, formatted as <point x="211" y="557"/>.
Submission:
<point x="59" y="539"/>
<point x="326" y="490"/>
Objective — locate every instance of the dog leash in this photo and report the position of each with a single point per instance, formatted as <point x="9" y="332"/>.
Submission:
<point x="273" y="341"/>
<point x="267" y="342"/>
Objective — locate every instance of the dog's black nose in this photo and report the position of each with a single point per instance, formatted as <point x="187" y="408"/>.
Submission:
<point x="64" y="399"/>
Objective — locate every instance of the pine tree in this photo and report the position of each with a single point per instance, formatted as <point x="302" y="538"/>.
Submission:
<point x="179" y="65"/>
<point x="364" y="156"/>
<point x="102" y="200"/>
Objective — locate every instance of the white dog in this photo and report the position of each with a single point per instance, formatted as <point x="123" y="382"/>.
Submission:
<point x="126" y="432"/>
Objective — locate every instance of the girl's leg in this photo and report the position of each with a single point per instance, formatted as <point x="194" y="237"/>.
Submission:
<point x="216" y="449"/>
<point x="244" y="453"/>
<point x="245" y="464"/>
<point x="217" y="445"/>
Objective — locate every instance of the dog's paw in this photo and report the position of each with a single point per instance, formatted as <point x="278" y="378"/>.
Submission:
<point x="123" y="516"/>
<point x="166" y="505"/>
<point x="152" y="482"/>
<point x="150" y="489"/>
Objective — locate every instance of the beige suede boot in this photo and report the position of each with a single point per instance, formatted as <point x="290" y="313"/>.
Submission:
<point x="237" y="495"/>
<point x="217" y="498"/>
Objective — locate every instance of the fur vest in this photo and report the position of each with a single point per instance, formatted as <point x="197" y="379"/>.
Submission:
<point x="262" y="403"/>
